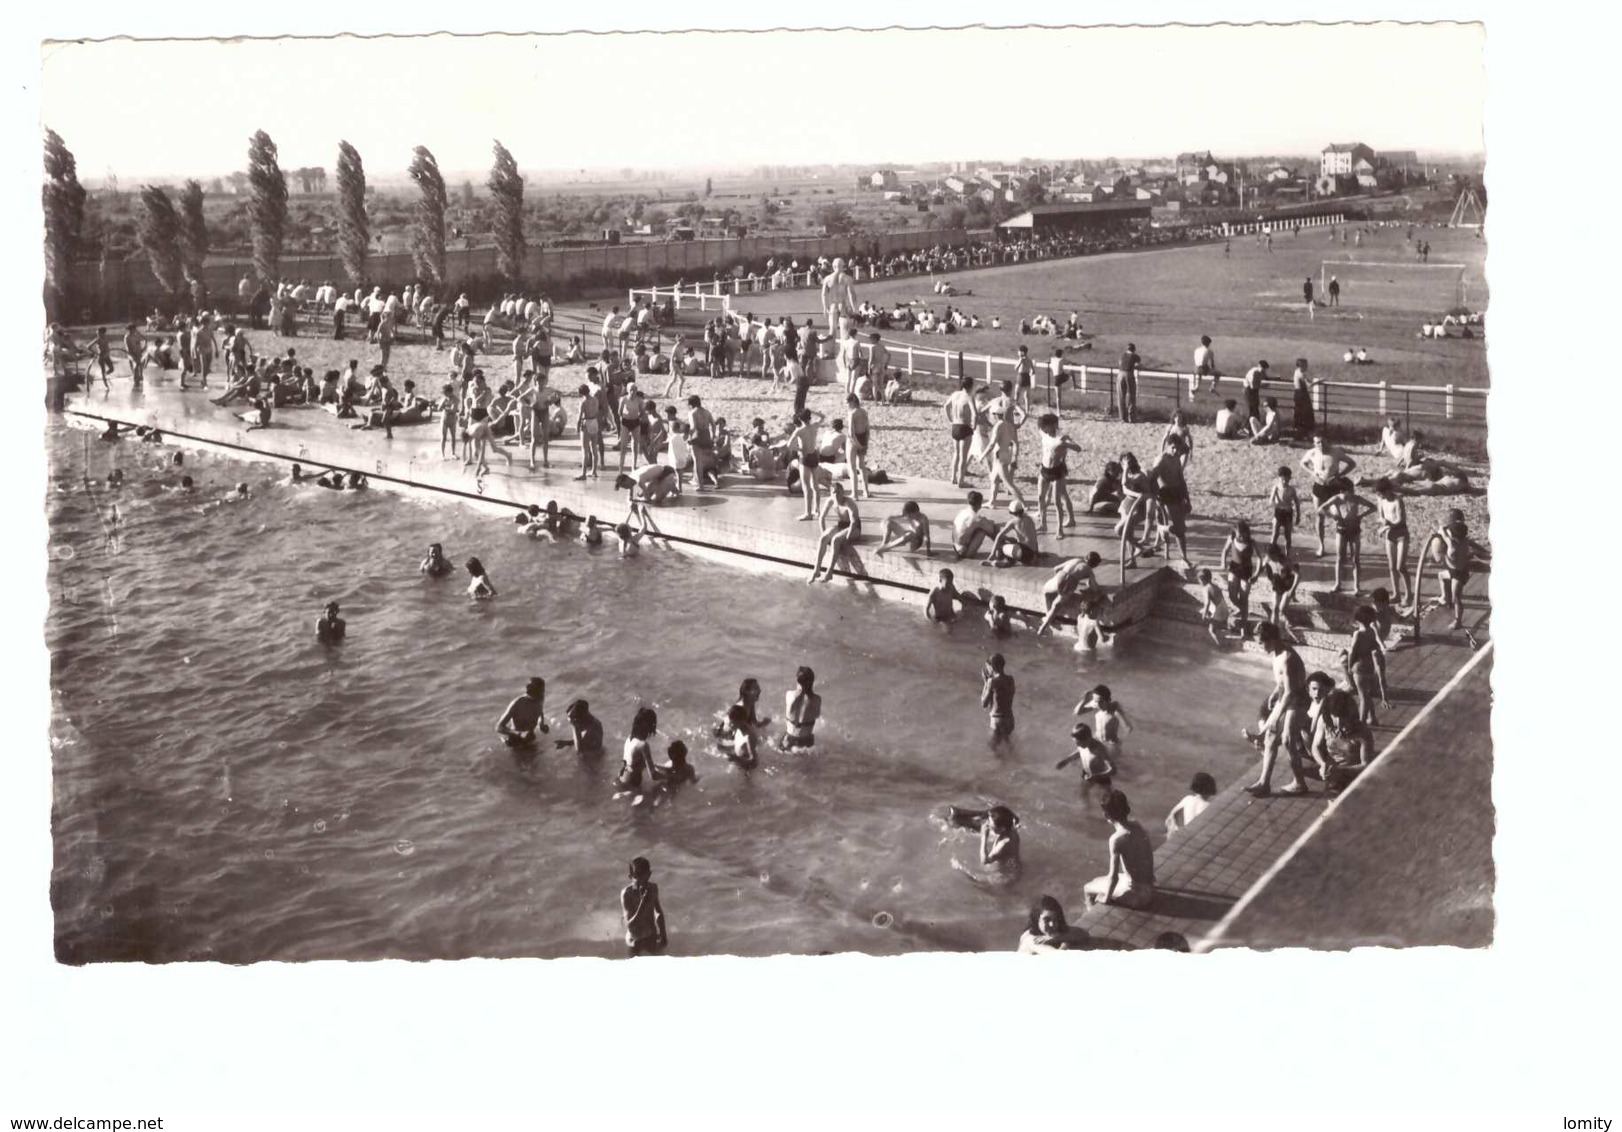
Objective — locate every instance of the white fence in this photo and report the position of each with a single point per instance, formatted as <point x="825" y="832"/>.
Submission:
<point x="1378" y="399"/>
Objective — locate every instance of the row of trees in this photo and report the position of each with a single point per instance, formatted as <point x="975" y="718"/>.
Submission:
<point x="176" y="243"/>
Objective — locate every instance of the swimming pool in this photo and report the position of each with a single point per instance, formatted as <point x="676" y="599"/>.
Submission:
<point x="225" y="788"/>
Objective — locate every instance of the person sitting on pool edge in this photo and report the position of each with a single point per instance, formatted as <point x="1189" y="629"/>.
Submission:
<point x="1015" y="544"/>
<point x="1131" y="854"/>
<point x="518" y="724"/>
<point x="910" y="528"/>
<point x="969" y="526"/>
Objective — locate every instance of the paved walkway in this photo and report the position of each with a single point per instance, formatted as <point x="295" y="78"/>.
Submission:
<point x="1402" y="860"/>
<point x="1204" y="871"/>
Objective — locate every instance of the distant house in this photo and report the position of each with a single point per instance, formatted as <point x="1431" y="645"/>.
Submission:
<point x="895" y="194"/>
<point x="1148" y="195"/>
<point x="1363" y="170"/>
<point x="1340" y="160"/>
<point x="1193" y="165"/>
<point x="1278" y="174"/>
<point x="1405" y="160"/>
<point x="883" y="179"/>
<point x="962" y="186"/>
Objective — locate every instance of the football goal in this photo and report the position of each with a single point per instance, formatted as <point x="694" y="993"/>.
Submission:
<point x="1420" y="288"/>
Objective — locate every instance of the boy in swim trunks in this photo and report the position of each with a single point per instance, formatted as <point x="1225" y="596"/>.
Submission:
<point x="909" y="528"/>
<point x="1072" y="580"/>
<point x="998" y="617"/>
<point x="587" y="729"/>
<point x="959" y="411"/>
<point x="802" y="708"/>
<point x="997" y="697"/>
<point x="1282" y="499"/>
<point x="938" y="604"/>
<point x="1096" y="768"/>
<point x="645" y="932"/>
<point x="969" y="526"/>
<point x="1015" y="544"/>
<point x="1052" y="473"/>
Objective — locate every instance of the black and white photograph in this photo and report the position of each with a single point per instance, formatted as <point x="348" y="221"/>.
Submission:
<point x="815" y="496"/>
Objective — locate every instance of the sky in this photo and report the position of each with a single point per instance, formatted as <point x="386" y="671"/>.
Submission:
<point x="709" y="99"/>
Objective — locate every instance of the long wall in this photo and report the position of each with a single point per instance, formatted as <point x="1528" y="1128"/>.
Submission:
<point x="126" y="288"/>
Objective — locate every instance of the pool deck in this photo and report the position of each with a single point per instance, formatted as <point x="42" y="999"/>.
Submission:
<point x="1204" y="872"/>
<point x="744" y="517"/>
<point x="1288" y="871"/>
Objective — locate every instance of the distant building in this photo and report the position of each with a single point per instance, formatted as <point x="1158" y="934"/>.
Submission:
<point x="884" y="179"/>
<point x="1193" y="165"/>
<point x="1047" y="219"/>
<point x="959" y="185"/>
<point x="1278" y="174"/>
<point x="1341" y="160"/>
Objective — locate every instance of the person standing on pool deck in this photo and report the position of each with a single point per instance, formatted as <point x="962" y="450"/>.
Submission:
<point x="1255" y="376"/>
<point x="1327" y="466"/>
<point x="329" y="628"/>
<point x="524" y="716"/>
<point x="959" y="412"/>
<point x="1205" y="365"/>
<point x="1126" y="383"/>
<point x="1130" y="852"/>
<point x="802" y="707"/>
<point x="997" y="697"/>
<point x="838" y="300"/>
<point x="645" y="932"/>
<point x="1286" y="719"/>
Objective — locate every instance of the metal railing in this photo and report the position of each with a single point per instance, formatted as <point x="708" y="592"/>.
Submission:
<point x="1348" y="398"/>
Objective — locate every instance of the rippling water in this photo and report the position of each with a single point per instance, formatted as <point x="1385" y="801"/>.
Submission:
<point x="225" y="788"/>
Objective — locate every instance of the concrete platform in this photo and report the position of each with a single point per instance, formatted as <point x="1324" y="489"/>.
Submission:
<point x="744" y="517"/>
<point x="1441" y="772"/>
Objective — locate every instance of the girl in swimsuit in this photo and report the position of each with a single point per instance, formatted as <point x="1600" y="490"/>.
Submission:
<point x="802" y="709"/>
<point x="1346" y="510"/>
<point x="638" y="758"/>
<point x="1239" y="560"/>
<point x="1283" y="577"/>
<point x="1365" y="664"/>
<point x="1394" y="516"/>
<point x="836" y="541"/>
<point x="480" y="588"/>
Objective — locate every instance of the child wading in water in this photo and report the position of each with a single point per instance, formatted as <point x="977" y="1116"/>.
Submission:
<point x="1212" y="611"/>
<point x="1052" y="473"/>
<point x="1109" y="718"/>
<point x="997" y="697"/>
<point x="645" y="932"/>
<point x="1096" y="768"/>
<point x="940" y="605"/>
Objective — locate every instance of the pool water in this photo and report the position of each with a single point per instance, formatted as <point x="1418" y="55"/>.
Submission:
<point x="225" y="788"/>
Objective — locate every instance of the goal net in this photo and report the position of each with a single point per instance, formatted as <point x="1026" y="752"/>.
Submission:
<point x="1388" y="285"/>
